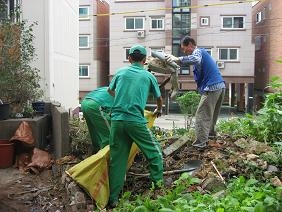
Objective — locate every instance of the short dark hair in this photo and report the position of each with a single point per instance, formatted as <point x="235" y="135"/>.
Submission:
<point x="136" y="56"/>
<point x="186" y="40"/>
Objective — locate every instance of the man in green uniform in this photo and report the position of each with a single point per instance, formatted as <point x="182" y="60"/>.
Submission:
<point x="96" y="106"/>
<point x="131" y="86"/>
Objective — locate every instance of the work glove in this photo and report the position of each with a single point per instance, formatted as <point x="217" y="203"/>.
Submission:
<point x="158" y="112"/>
<point x="169" y="58"/>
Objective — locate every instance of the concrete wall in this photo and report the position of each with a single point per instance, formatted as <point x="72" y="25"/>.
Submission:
<point x="60" y="131"/>
<point x="50" y="130"/>
<point x="56" y="44"/>
<point x="40" y="126"/>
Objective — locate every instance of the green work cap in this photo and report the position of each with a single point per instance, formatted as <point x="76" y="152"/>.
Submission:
<point x="140" y="48"/>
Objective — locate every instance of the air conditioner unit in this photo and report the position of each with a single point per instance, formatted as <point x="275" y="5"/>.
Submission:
<point x="141" y="34"/>
<point x="220" y="64"/>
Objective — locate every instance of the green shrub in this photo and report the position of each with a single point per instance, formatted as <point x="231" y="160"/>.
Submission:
<point x="188" y="103"/>
<point x="264" y="126"/>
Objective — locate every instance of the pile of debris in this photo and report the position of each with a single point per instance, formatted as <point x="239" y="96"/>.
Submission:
<point x="224" y="158"/>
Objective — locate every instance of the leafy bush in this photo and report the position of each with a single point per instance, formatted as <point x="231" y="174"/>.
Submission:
<point x="81" y="145"/>
<point x="19" y="81"/>
<point x="270" y="116"/>
<point x="266" y="125"/>
<point x="188" y="103"/>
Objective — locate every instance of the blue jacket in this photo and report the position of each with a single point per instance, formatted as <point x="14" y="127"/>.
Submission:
<point x="209" y="73"/>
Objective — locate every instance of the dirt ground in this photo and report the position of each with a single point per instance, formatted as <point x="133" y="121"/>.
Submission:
<point x="45" y="192"/>
<point x="25" y="192"/>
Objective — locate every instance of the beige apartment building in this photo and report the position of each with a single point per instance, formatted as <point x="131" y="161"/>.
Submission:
<point x="224" y="28"/>
<point x="93" y="45"/>
<point x="267" y="36"/>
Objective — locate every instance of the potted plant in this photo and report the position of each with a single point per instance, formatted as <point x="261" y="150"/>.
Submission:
<point x="19" y="81"/>
<point x="4" y="110"/>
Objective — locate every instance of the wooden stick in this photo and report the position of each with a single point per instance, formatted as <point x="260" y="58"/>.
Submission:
<point x="165" y="172"/>
<point x="222" y="179"/>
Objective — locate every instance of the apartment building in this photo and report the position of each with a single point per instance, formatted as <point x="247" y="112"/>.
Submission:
<point x="138" y="22"/>
<point x="223" y="28"/>
<point x="93" y="45"/>
<point x="267" y="36"/>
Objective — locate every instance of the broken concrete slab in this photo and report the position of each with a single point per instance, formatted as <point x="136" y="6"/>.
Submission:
<point x="176" y="145"/>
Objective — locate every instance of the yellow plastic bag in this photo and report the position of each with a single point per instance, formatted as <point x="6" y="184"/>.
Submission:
<point x="92" y="173"/>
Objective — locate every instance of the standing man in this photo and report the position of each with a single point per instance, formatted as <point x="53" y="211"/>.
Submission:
<point x="131" y="86"/>
<point x="210" y="84"/>
<point x="96" y="106"/>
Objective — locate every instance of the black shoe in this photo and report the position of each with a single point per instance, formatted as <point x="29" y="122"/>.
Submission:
<point x="212" y="135"/>
<point x="112" y="205"/>
<point x="199" y="144"/>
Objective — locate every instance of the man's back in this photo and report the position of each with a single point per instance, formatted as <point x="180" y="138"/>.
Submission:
<point x="132" y="85"/>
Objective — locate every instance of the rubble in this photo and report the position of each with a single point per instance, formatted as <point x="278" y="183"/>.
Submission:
<point x="53" y="190"/>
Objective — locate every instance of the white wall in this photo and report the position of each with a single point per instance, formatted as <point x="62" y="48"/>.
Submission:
<point x="56" y="43"/>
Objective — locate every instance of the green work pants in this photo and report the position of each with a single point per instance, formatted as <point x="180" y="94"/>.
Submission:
<point x="98" y="123"/>
<point x="207" y="113"/>
<point x="123" y="133"/>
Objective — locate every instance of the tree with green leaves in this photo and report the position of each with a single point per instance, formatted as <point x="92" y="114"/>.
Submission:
<point x="188" y="103"/>
<point x="19" y="82"/>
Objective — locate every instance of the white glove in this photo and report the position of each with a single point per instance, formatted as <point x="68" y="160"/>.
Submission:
<point x="169" y="58"/>
<point x="158" y="112"/>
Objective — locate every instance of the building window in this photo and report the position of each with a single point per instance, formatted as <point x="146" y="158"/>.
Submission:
<point x="233" y="22"/>
<point x="181" y="5"/>
<point x="204" y="21"/>
<point x="228" y="54"/>
<point x="83" y="71"/>
<point x="184" y="70"/>
<point x="208" y="49"/>
<point x="126" y="54"/>
<point x="83" y="41"/>
<point x="83" y="13"/>
<point x="134" y="23"/>
<point x="157" y="23"/>
<point x="258" y="43"/>
<point x="260" y="16"/>
<point x="156" y="49"/>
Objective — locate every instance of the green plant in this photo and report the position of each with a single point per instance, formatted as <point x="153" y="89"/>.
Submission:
<point x="270" y="116"/>
<point x="28" y="110"/>
<point x="188" y="103"/>
<point x="264" y="126"/>
<point x="241" y="194"/>
<point x="80" y="139"/>
<point x="19" y="82"/>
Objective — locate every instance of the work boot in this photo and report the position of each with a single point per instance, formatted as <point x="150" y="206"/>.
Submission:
<point x="212" y="135"/>
<point x="112" y="205"/>
<point x="199" y="144"/>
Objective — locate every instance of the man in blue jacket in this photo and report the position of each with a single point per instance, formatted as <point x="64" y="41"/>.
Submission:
<point x="210" y="84"/>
